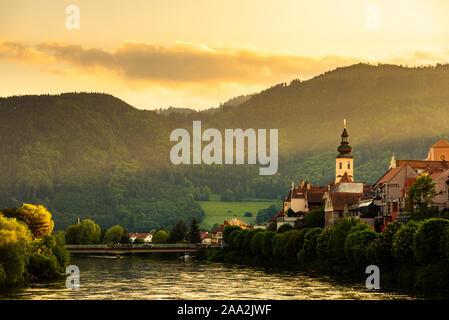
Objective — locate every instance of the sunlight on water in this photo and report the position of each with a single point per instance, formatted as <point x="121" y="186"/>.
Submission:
<point x="136" y="277"/>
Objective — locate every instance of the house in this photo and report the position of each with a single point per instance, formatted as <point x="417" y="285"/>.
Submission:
<point x="147" y="237"/>
<point x="206" y="238"/>
<point x="390" y="190"/>
<point x="299" y="200"/>
<point x="217" y="233"/>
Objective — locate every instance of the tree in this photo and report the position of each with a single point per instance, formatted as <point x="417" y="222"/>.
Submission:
<point x="355" y="247"/>
<point x="38" y="219"/>
<point x="428" y="247"/>
<point x="86" y="232"/>
<point x="113" y="235"/>
<point x="314" y="219"/>
<point x="272" y="226"/>
<point x="194" y="233"/>
<point x="160" y="237"/>
<point x="284" y="228"/>
<point x="422" y="192"/>
<point x="227" y="196"/>
<point x="139" y="241"/>
<point x="403" y="242"/>
<point x="383" y="247"/>
<point x="267" y="244"/>
<point x="227" y="232"/>
<point x="178" y="232"/>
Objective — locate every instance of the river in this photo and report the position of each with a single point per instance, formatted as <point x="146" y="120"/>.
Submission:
<point x="145" y="277"/>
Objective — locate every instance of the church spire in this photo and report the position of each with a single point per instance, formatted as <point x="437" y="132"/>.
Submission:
<point x="344" y="149"/>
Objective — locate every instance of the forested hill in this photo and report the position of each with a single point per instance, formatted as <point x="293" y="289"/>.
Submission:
<point x="93" y="155"/>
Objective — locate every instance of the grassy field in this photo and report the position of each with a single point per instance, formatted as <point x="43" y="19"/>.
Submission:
<point x="217" y="211"/>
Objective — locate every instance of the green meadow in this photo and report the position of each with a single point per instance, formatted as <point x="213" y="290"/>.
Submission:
<point x="217" y="211"/>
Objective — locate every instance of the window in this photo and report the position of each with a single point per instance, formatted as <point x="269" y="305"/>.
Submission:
<point x="340" y="165"/>
<point x="349" y="164"/>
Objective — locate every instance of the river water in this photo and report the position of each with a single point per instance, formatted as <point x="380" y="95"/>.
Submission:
<point x="144" y="277"/>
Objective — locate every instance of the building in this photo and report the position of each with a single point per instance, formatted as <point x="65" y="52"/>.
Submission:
<point x="217" y="234"/>
<point x="344" y="162"/>
<point x="390" y="190"/>
<point x="439" y="151"/>
<point x="299" y="200"/>
<point x="205" y="237"/>
<point x="147" y="237"/>
<point x="344" y="195"/>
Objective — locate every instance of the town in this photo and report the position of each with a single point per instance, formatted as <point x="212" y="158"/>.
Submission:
<point x="377" y="205"/>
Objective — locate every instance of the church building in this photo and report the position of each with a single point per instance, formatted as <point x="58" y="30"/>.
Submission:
<point x="344" y="162"/>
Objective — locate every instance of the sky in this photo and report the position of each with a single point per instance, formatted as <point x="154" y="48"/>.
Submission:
<point x="200" y="53"/>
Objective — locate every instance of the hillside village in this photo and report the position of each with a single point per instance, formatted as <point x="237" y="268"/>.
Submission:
<point x="378" y="204"/>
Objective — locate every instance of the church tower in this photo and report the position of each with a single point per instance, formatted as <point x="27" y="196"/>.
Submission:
<point x="344" y="162"/>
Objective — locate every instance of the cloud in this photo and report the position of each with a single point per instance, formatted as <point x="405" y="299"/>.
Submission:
<point x="182" y="63"/>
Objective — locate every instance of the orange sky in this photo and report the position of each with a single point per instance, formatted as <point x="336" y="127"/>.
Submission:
<point x="200" y="53"/>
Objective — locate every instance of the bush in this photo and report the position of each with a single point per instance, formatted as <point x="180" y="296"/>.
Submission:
<point x="232" y="236"/>
<point x="227" y="232"/>
<point x="247" y="242"/>
<point x="338" y="239"/>
<point x="284" y="228"/>
<point x="160" y="237"/>
<point x="403" y="243"/>
<point x="248" y="214"/>
<point x="324" y="248"/>
<point x="267" y="244"/>
<point x="355" y="248"/>
<point x="314" y="218"/>
<point x="238" y="242"/>
<point x="257" y="244"/>
<point x="428" y="240"/>
<point x="383" y="253"/>
<point x="113" y="235"/>
<point x="308" y="253"/>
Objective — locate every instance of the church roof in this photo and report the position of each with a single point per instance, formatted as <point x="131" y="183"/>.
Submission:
<point x="441" y="144"/>
<point x="340" y="199"/>
<point x="346" y="178"/>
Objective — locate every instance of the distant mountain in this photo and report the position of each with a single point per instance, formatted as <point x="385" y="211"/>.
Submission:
<point x="93" y="155"/>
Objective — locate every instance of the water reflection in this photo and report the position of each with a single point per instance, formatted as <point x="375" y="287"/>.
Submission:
<point x="143" y="277"/>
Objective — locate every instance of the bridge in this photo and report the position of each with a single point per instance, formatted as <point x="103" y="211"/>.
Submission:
<point x="118" y="249"/>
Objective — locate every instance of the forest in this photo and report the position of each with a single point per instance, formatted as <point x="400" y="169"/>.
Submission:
<point x="93" y="156"/>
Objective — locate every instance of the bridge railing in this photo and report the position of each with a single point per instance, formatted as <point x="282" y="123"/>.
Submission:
<point x="138" y="246"/>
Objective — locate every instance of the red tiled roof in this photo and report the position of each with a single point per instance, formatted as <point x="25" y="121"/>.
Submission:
<point x="139" y="235"/>
<point x="339" y="199"/>
<point x="424" y="164"/>
<point x="389" y="175"/>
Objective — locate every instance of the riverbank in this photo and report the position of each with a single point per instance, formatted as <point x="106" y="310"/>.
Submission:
<point x="411" y="258"/>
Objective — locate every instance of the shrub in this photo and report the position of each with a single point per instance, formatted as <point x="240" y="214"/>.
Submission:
<point x="247" y="242"/>
<point x="355" y="248"/>
<point x="308" y="252"/>
<point x="428" y="240"/>
<point x="257" y="244"/>
<point x="227" y="232"/>
<point x="383" y="245"/>
<point x="403" y="242"/>
<point x="231" y="238"/>
<point x="284" y="228"/>
<point x="267" y="244"/>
